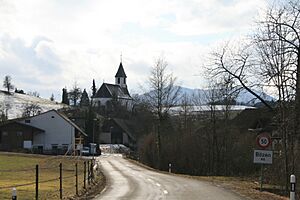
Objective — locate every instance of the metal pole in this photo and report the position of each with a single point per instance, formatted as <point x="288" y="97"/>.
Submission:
<point x="76" y="175"/>
<point x="84" y="175"/>
<point x="14" y="194"/>
<point x="88" y="167"/>
<point x="293" y="187"/>
<point x="60" y="180"/>
<point x="92" y="172"/>
<point x="93" y="137"/>
<point x="261" y="177"/>
<point x="37" y="182"/>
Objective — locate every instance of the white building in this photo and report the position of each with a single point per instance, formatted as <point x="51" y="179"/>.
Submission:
<point x="60" y="133"/>
<point x="118" y="90"/>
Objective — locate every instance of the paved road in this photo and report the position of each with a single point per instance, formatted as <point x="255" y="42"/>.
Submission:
<point x="126" y="180"/>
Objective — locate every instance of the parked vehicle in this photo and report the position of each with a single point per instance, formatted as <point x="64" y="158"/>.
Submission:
<point x="85" y="151"/>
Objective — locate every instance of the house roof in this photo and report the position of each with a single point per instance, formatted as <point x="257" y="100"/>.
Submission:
<point x="13" y="121"/>
<point x="121" y="72"/>
<point x="61" y="115"/>
<point x="109" y="90"/>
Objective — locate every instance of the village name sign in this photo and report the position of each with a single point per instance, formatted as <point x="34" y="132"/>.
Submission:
<point x="262" y="156"/>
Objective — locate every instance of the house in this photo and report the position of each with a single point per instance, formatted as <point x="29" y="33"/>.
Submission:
<point x="118" y="131"/>
<point x="48" y="132"/>
<point x="117" y="91"/>
<point x="15" y="135"/>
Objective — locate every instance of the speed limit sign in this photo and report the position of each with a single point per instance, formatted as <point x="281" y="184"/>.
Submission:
<point x="263" y="140"/>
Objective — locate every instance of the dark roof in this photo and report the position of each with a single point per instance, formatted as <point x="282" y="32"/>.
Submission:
<point x="121" y="72"/>
<point x="126" y="126"/>
<point x="109" y="90"/>
<point x="21" y="124"/>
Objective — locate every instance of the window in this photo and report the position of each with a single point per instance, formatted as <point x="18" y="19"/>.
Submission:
<point x="52" y="116"/>
<point x="27" y="121"/>
<point x="124" y="80"/>
<point x="118" y="80"/>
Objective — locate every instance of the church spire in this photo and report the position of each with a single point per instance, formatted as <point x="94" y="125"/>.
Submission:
<point x="121" y="73"/>
<point x="120" y="77"/>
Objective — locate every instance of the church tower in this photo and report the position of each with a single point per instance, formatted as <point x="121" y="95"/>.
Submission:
<point x="120" y="77"/>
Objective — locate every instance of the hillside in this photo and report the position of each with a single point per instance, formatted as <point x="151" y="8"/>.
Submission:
<point x="15" y="103"/>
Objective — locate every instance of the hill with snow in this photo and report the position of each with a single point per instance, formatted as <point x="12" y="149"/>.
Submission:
<point x="243" y="98"/>
<point x="14" y="104"/>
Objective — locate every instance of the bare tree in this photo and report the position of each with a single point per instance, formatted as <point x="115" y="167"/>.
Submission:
<point x="75" y="94"/>
<point x="278" y="48"/>
<point x="34" y="94"/>
<point x="7" y="83"/>
<point x="31" y="109"/>
<point x="162" y="96"/>
<point x="238" y="66"/>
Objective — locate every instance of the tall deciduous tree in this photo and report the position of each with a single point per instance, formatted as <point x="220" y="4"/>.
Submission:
<point x="278" y="46"/>
<point x="7" y="83"/>
<point x="236" y="64"/>
<point x="162" y="96"/>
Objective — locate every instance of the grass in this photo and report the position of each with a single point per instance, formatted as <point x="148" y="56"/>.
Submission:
<point x="16" y="169"/>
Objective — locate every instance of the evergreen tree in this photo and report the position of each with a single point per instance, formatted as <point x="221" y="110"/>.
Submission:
<point x="52" y="97"/>
<point x="94" y="89"/>
<point x="84" y="100"/>
<point x="65" y="98"/>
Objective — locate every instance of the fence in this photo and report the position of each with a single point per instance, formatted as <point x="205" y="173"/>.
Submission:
<point x="53" y="184"/>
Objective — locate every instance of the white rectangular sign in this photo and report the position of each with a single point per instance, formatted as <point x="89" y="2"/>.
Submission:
<point x="263" y="156"/>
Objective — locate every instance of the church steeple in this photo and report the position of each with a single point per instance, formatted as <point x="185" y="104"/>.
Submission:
<point x="120" y="77"/>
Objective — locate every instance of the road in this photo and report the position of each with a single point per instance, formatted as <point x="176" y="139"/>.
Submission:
<point x="126" y="180"/>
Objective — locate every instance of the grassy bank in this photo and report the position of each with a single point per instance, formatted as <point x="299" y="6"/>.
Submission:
<point x="18" y="169"/>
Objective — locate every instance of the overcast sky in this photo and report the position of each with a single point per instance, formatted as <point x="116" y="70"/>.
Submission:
<point x="46" y="45"/>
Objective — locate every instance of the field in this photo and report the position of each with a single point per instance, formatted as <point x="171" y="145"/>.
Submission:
<point x="16" y="169"/>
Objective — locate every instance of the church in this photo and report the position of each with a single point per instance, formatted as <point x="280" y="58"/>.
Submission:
<point x="118" y="91"/>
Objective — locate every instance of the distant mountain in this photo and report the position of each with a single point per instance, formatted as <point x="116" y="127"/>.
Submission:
<point x="15" y="103"/>
<point x="244" y="97"/>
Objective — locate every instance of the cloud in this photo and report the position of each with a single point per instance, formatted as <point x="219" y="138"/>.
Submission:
<point x="49" y="44"/>
<point x="32" y="66"/>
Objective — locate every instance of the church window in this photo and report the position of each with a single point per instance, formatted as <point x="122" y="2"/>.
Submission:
<point x="118" y="80"/>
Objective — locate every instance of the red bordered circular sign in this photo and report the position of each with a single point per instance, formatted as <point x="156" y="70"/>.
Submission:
<point x="263" y="140"/>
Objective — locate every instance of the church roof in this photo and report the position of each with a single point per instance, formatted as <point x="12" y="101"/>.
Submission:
<point x="121" y="72"/>
<point x="109" y="90"/>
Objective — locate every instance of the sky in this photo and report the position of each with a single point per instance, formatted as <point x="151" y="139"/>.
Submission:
<point x="46" y="45"/>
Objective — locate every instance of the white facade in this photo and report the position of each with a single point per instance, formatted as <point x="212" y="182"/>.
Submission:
<point x="58" y="131"/>
<point x="121" y="81"/>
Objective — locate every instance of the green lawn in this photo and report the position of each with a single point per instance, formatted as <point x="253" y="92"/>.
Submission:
<point x="16" y="169"/>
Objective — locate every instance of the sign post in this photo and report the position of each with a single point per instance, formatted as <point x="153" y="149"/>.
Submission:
<point x="293" y="187"/>
<point x="262" y="157"/>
